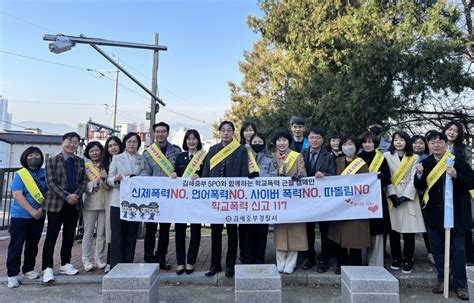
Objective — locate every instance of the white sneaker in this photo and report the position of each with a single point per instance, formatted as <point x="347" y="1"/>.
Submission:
<point x="288" y="270"/>
<point x="31" y="275"/>
<point x="100" y="265"/>
<point x="88" y="266"/>
<point x="68" y="269"/>
<point x="430" y="257"/>
<point x="13" y="282"/>
<point x="107" y="268"/>
<point x="48" y="276"/>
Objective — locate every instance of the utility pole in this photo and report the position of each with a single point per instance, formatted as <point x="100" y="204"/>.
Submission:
<point x="114" y="109"/>
<point x="154" y="89"/>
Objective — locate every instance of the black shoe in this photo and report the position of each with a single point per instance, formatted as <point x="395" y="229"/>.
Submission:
<point x="323" y="267"/>
<point x="338" y="271"/>
<point x="180" y="271"/>
<point x="407" y="267"/>
<point x="308" y="264"/>
<point x="396" y="265"/>
<point x="163" y="264"/>
<point x="189" y="271"/>
<point x="213" y="271"/>
<point x="229" y="272"/>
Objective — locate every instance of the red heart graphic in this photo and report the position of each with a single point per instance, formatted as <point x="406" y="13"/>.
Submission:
<point x="373" y="208"/>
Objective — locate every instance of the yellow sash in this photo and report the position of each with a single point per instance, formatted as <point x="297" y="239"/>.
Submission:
<point x="376" y="162"/>
<point x="435" y="174"/>
<point x="472" y="193"/>
<point x="253" y="166"/>
<point x="160" y="159"/>
<point x="353" y="167"/>
<point x="30" y="185"/>
<point x="92" y="172"/>
<point x="402" y="169"/>
<point x="194" y="164"/>
<point x="289" y="161"/>
<point x="224" y="153"/>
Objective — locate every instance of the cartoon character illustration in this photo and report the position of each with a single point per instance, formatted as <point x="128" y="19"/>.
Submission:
<point x="132" y="210"/>
<point x="143" y="210"/>
<point x="125" y="206"/>
<point x="153" y="209"/>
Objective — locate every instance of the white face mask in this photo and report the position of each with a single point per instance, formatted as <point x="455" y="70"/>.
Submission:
<point x="348" y="150"/>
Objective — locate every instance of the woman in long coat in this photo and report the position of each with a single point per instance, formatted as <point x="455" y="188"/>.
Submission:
<point x="351" y="235"/>
<point x="405" y="214"/>
<point x="289" y="238"/>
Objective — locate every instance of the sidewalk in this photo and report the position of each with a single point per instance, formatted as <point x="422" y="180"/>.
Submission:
<point x="423" y="275"/>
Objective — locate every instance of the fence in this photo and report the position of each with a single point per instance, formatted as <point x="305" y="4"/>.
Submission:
<point x="6" y="198"/>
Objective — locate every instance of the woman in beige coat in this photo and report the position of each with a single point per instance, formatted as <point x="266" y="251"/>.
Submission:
<point x="351" y="235"/>
<point x="289" y="238"/>
<point x="405" y="212"/>
<point x="94" y="211"/>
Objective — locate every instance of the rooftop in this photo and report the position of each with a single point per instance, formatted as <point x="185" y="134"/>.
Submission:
<point x="28" y="138"/>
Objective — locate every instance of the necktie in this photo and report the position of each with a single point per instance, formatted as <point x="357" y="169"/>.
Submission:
<point x="222" y="169"/>
<point x="313" y="161"/>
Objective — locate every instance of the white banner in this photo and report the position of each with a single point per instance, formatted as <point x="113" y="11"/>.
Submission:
<point x="250" y="201"/>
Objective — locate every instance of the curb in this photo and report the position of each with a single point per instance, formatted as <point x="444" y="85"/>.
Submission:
<point x="298" y="278"/>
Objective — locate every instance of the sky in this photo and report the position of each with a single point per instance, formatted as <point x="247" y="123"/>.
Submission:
<point x="205" y="41"/>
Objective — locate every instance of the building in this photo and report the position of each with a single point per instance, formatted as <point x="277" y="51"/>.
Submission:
<point x="13" y="144"/>
<point x="5" y="117"/>
<point x="177" y="136"/>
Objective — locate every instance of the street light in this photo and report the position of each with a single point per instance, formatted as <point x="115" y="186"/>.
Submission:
<point x="61" y="45"/>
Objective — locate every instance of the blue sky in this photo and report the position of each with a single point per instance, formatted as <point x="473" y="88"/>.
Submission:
<point x="205" y="41"/>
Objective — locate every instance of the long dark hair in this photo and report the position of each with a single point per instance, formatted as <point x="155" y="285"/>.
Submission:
<point x="458" y="147"/>
<point x="106" y="156"/>
<point x="244" y="127"/>
<point x="408" y="145"/>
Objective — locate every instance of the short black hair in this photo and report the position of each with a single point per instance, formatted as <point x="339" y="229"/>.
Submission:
<point x="369" y="136"/>
<point x="317" y="131"/>
<point x="259" y="135"/>
<point x="373" y="120"/>
<point x="91" y="145"/>
<point x="408" y="145"/>
<point x="28" y="151"/>
<point x="133" y="205"/>
<point x="295" y="120"/>
<point x="71" y="135"/>
<point x="244" y="127"/>
<point x="335" y="135"/>
<point x="161" y="124"/>
<point x="129" y="135"/>
<point x="349" y="137"/>
<point x="282" y="133"/>
<point x="433" y="134"/>
<point x="195" y="133"/>
<point x="420" y="137"/>
<point x="142" y="206"/>
<point x="125" y="204"/>
<point x="227" y="122"/>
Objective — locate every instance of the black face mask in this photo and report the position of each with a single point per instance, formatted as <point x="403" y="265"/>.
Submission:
<point x="33" y="163"/>
<point x="376" y="130"/>
<point x="258" y="147"/>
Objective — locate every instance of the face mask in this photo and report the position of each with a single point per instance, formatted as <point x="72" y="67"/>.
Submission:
<point x="348" y="150"/>
<point x="376" y="130"/>
<point x="33" y="162"/>
<point x="258" y="147"/>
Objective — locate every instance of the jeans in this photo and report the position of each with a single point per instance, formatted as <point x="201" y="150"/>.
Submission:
<point x="458" y="255"/>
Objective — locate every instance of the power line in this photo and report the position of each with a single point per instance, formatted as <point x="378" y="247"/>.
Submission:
<point x="26" y="21"/>
<point x="59" y="103"/>
<point x="46" y="61"/>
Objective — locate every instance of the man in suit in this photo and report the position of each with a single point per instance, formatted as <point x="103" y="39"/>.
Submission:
<point x="319" y="163"/>
<point x="433" y="211"/>
<point x="67" y="181"/>
<point x="234" y="165"/>
<point x="160" y="133"/>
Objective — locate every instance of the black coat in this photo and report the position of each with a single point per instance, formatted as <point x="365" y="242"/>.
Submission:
<point x="325" y="163"/>
<point x="236" y="164"/>
<point x="380" y="226"/>
<point x="182" y="161"/>
<point x="433" y="212"/>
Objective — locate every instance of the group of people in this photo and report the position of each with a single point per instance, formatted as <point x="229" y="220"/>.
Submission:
<point x="412" y="171"/>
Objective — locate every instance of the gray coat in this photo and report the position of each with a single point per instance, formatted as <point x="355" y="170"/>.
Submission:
<point x="153" y="168"/>
<point x="267" y="164"/>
